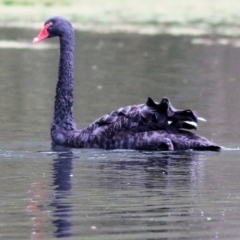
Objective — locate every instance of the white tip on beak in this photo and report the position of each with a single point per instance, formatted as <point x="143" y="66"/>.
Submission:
<point x="35" y="40"/>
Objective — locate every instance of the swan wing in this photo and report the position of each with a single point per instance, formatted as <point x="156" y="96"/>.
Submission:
<point x="142" y="117"/>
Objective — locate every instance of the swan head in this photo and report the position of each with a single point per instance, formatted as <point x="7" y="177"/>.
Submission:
<point x="53" y="27"/>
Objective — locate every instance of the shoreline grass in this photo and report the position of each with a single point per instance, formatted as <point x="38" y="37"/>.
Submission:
<point x="148" y="17"/>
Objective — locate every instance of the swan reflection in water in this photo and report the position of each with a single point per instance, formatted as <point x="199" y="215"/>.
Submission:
<point x="156" y="170"/>
<point x="62" y="175"/>
<point x="169" y="177"/>
<point x="57" y="193"/>
<point x="156" y="186"/>
<point x="165" y="173"/>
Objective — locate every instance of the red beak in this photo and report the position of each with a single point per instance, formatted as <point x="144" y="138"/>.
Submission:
<point x="43" y="34"/>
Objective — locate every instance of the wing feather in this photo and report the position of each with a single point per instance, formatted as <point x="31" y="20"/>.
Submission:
<point x="140" y="118"/>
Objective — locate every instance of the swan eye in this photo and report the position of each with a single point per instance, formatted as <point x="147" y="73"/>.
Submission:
<point x="48" y="25"/>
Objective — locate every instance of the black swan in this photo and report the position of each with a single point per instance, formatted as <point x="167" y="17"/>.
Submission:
<point x="149" y="126"/>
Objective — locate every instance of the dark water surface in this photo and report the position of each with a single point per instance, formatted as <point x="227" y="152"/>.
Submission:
<point x="97" y="194"/>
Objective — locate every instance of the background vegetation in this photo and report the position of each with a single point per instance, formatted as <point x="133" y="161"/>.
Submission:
<point x="149" y="16"/>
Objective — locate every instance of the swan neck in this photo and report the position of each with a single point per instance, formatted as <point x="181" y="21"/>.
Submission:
<point x="66" y="62"/>
<point x="63" y="112"/>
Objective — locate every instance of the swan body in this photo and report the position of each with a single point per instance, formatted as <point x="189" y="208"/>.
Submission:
<point x="149" y="126"/>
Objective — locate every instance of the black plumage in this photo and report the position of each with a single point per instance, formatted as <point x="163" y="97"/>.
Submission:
<point x="149" y="126"/>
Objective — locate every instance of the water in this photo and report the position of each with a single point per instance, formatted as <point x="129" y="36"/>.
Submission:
<point x="98" y="194"/>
